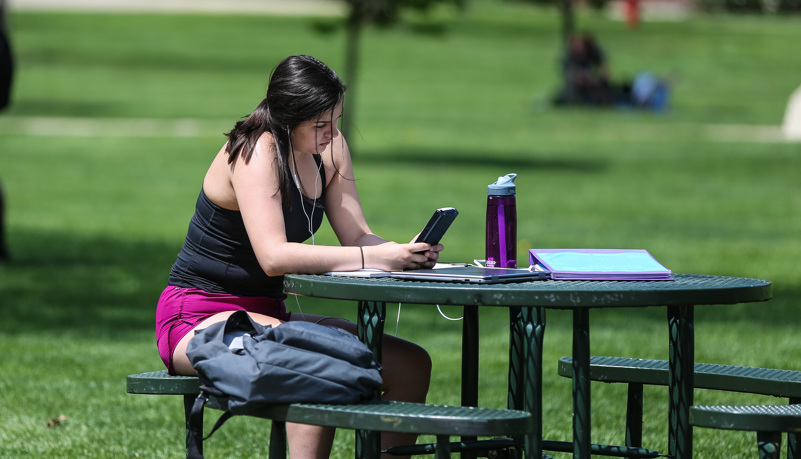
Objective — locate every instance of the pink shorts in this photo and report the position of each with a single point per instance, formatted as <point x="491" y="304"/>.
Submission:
<point x="181" y="309"/>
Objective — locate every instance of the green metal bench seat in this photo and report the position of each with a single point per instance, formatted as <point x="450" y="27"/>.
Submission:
<point x="768" y="421"/>
<point x="376" y="416"/>
<point x="639" y="372"/>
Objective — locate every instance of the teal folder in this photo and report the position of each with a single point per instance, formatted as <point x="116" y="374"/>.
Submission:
<point x="599" y="264"/>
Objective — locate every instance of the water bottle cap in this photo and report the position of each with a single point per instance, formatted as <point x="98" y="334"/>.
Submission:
<point x="504" y="186"/>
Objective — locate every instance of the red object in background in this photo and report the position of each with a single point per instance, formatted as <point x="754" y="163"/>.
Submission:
<point x="632" y="13"/>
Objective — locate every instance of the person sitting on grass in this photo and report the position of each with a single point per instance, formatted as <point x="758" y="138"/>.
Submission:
<point x="585" y="74"/>
<point x="265" y="193"/>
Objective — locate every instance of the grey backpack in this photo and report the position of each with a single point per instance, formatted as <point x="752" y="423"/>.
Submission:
<point x="246" y="366"/>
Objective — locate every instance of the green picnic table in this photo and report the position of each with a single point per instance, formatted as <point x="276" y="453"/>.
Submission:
<point x="527" y="303"/>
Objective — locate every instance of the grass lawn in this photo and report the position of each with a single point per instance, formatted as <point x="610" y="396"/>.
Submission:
<point x="116" y="117"/>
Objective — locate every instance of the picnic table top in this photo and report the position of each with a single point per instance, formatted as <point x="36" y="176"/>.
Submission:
<point x="686" y="289"/>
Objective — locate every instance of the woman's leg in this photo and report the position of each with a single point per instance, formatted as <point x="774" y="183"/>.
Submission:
<point x="309" y="442"/>
<point x="305" y="441"/>
<point x="406" y="372"/>
<point x="180" y="361"/>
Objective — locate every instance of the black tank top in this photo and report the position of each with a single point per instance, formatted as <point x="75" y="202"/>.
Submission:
<point x="217" y="256"/>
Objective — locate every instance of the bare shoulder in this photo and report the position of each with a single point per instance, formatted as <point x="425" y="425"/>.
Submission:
<point x="339" y="149"/>
<point x="337" y="159"/>
<point x="217" y="183"/>
<point x="265" y="146"/>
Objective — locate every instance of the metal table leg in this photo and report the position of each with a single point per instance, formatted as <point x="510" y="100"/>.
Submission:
<point x="469" y="366"/>
<point x="532" y="324"/>
<point x="517" y="353"/>
<point x="370" y="329"/>
<point x="470" y="356"/>
<point x="681" y="378"/>
<point x="581" y="383"/>
<point x="792" y="437"/>
<point x="515" y="398"/>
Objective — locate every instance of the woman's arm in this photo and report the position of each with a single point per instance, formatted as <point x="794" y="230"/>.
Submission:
<point x="346" y="216"/>
<point x="342" y="205"/>
<point x="255" y="185"/>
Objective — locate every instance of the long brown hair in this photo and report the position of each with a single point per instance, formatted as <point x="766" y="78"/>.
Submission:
<point x="301" y="88"/>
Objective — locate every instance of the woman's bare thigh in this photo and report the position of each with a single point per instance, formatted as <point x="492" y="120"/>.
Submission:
<point x="325" y="320"/>
<point x="180" y="361"/>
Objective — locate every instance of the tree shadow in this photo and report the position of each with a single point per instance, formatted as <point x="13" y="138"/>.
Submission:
<point x="108" y="286"/>
<point x="478" y="159"/>
<point x="68" y="109"/>
<point x="99" y="285"/>
<point x="780" y="311"/>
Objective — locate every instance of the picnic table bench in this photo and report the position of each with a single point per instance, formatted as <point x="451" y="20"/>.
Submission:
<point x="768" y="421"/>
<point x="375" y="416"/>
<point x="733" y="378"/>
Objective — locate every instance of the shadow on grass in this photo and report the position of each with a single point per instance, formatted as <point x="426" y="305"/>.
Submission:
<point x="68" y="282"/>
<point x="107" y="287"/>
<point x="68" y="109"/>
<point x="780" y="311"/>
<point x="466" y="158"/>
<point x="110" y="286"/>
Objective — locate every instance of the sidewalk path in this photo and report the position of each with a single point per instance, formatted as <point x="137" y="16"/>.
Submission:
<point x="191" y="127"/>
<point x="272" y="7"/>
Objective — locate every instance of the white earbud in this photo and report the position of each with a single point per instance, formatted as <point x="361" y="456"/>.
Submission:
<point x="295" y="172"/>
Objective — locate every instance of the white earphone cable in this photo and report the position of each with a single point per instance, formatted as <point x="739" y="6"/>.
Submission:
<point x="449" y="318"/>
<point x="309" y="218"/>
<point x="299" y="309"/>
<point x="397" y="322"/>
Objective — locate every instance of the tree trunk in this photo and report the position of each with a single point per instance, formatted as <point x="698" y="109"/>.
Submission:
<point x="354" y="30"/>
<point x="567" y="21"/>
<point x="6" y="61"/>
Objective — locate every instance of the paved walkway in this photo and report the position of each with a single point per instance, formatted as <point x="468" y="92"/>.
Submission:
<point x="190" y="127"/>
<point x="275" y="7"/>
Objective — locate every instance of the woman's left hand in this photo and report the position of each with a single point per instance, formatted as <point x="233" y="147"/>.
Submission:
<point x="433" y="255"/>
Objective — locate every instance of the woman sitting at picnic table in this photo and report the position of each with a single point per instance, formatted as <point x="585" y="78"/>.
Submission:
<point x="265" y="193"/>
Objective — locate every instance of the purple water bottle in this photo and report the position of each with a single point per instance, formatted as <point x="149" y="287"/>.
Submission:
<point x="502" y="223"/>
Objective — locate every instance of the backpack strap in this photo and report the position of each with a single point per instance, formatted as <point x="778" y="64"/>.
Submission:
<point x="194" y="428"/>
<point x="194" y="433"/>
<point x="224" y="417"/>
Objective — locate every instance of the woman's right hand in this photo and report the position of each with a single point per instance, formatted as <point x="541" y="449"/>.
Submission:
<point x="391" y="256"/>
